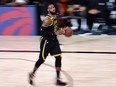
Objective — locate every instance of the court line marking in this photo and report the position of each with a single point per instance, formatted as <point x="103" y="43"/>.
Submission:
<point x="69" y="78"/>
<point x="93" y="52"/>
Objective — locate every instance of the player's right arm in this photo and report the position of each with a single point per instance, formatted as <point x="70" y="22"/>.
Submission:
<point x="44" y="29"/>
<point x="46" y="22"/>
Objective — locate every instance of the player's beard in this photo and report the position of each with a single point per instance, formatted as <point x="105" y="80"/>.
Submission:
<point x="53" y="13"/>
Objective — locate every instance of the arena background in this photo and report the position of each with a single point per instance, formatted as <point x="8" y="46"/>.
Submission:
<point x="18" y="20"/>
<point x="88" y="61"/>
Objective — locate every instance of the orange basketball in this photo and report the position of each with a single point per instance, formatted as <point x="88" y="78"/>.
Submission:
<point x="68" y="32"/>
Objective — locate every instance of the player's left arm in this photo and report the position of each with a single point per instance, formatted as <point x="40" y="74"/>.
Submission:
<point x="60" y="31"/>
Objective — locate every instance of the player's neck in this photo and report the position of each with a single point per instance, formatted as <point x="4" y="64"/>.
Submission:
<point x="52" y="15"/>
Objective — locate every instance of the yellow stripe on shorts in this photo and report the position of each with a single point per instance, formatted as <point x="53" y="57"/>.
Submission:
<point x="56" y="55"/>
<point x="43" y="50"/>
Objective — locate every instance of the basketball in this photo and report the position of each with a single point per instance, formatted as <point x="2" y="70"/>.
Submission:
<point x="68" y="32"/>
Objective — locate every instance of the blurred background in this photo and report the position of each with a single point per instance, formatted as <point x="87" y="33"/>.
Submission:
<point x="85" y="17"/>
<point x="88" y="61"/>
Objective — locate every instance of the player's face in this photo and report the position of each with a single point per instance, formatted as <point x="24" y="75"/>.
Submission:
<point x="52" y="9"/>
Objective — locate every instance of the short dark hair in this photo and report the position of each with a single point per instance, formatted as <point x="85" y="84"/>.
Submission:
<point x="49" y="4"/>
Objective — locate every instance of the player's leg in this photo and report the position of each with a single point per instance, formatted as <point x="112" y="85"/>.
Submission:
<point x="37" y="65"/>
<point x="58" y="70"/>
<point x="58" y="66"/>
<point x="56" y="52"/>
<point x="42" y="56"/>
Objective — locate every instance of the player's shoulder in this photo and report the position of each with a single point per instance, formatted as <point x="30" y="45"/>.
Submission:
<point x="47" y="21"/>
<point x="47" y="18"/>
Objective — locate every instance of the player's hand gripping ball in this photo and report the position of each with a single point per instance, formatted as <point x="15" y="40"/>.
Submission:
<point x="68" y="32"/>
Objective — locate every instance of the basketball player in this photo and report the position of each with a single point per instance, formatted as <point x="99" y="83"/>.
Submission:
<point x="49" y="44"/>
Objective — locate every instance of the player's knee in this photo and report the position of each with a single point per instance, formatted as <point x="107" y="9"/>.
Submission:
<point x="58" y="61"/>
<point x="58" y="58"/>
<point x="39" y="62"/>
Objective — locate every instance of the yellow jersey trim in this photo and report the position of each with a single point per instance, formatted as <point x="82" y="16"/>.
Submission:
<point x="56" y="55"/>
<point x="51" y="20"/>
<point x="43" y="50"/>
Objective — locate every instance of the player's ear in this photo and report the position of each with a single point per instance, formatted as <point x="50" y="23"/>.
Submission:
<point x="48" y="10"/>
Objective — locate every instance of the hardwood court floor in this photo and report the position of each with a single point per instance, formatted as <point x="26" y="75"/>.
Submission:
<point x="88" y="61"/>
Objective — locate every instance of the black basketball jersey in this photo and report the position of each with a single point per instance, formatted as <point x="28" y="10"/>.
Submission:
<point x="53" y="26"/>
<point x="49" y="33"/>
